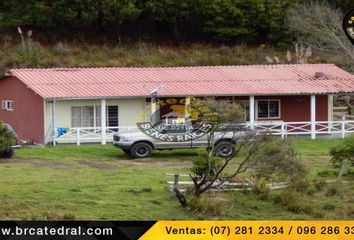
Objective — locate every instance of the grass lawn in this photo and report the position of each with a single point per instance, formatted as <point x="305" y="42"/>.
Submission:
<point x="101" y="182"/>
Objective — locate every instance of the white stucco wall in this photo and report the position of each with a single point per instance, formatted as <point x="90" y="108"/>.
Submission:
<point x="131" y="111"/>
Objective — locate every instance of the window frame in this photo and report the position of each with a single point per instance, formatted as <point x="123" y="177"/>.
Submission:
<point x="81" y="115"/>
<point x="7" y="105"/>
<point x="268" y="100"/>
<point x="96" y="115"/>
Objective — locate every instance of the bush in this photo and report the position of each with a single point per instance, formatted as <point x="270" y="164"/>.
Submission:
<point x="333" y="190"/>
<point x="343" y="152"/>
<point x="260" y="189"/>
<point x="311" y="190"/>
<point x="204" y="206"/>
<point x="7" y="138"/>
<point x="300" y="184"/>
<point x="329" y="206"/>
<point x="277" y="157"/>
<point x="200" y="164"/>
<point x="298" y="207"/>
<point x="294" y="202"/>
<point x="320" y="184"/>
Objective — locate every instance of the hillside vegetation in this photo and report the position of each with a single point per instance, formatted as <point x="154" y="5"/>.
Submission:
<point x="97" y="33"/>
<point x="32" y="54"/>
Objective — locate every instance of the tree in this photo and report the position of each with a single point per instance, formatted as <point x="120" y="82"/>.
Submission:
<point x="232" y="20"/>
<point x="54" y="13"/>
<point x="319" y="26"/>
<point x="7" y="139"/>
<point x="343" y="154"/>
<point x="255" y="151"/>
<point x="111" y="11"/>
<point x="273" y="21"/>
<point x="181" y="16"/>
<point x="223" y="112"/>
<point x="277" y="157"/>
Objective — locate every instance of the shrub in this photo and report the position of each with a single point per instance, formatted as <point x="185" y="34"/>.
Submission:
<point x="320" y="184"/>
<point x="200" y="164"/>
<point x="7" y="138"/>
<point x="260" y="189"/>
<point x="300" y="184"/>
<point x="62" y="49"/>
<point x="204" y="206"/>
<point x="333" y="190"/>
<point x="29" y="51"/>
<point x="294" y="202"/>
<point x="286" y="197"/>
<point x="343" y="152"/>
<point x="311" y="190"/>
<point x="329" y="206"/>
<point x="277" y="157"/>
<point x="298" y="207"/>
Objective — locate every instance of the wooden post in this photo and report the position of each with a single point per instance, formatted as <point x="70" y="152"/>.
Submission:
<point x="78" y="136"/>
<point x="175" y="182"/>
<point x="103" y="121"/>
<point x="282" y="130"/>
<point x="53" y="123"/>
<point x="343" y="127"/>
<point x="252" y="114"/>
<point x="330" y="113"/>
<point x="313" y="116"/>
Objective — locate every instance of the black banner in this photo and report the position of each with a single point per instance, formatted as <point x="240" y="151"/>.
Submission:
<point x="148" y="129"/>
<point x="74" y="230"/>
<point x="348" y="25"/>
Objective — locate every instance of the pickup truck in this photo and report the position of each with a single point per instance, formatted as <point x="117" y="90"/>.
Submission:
<point x="140" y="145"/>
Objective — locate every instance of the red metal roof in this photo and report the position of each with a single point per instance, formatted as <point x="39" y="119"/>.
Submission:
<point x="185" y="81"/>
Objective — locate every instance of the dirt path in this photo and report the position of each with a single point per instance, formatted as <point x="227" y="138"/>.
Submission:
<point x="36" y="163"/>
<point x="97" y="164"/>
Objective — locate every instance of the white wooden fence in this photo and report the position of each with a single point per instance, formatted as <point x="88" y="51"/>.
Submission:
<point x="283" y="129"/>
<point x="90" y="134"/>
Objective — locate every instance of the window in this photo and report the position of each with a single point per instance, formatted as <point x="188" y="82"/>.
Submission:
<point x="268" y="109"/>
<point x="7" y="105"/>
<point x="82" y="116"/>
<point x="112" y="116"/>
<point x="90" y="116"/>
<point x="112" y="119"/>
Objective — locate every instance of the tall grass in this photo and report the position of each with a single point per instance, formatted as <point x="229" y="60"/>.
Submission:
<point x="29" y="53"/>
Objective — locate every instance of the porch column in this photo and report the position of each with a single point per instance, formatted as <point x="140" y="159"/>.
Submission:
<point x="103" y="121"/>
<point x="153" y="107"/>
<point x="252" y="114"/>
<point x="313" y="116"/>
<point x="53" y="122"/>
<point x="187" y="112"/>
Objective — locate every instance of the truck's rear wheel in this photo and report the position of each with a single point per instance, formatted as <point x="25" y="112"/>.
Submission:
<point x="141" y="150"/>
<point x="224" y="149"/>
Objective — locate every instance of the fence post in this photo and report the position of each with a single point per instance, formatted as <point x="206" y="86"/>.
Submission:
<point x="313" y="116"/>
<point x="78" y="136"/>
<point x="343" y="127"/>
<point x="282" y="130"/>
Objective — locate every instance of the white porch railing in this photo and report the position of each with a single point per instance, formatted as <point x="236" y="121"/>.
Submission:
<point x="283" y="129"/>
<point x="90" y="134"/>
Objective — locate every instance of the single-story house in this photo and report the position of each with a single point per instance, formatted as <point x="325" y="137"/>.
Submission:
<point x="88" y="104"/>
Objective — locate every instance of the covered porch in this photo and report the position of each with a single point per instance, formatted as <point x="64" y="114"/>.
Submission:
<point x="257" y="109"/>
